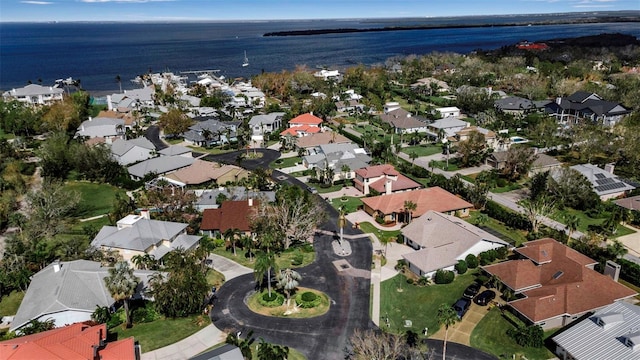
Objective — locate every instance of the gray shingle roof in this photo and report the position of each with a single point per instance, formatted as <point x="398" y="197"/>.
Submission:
<point x="34" y="90"/>
<point x="121" y="147"/>
<point x="140" y="236"/>
<point x="603" y="182"/>
<point x="159" y="165"/>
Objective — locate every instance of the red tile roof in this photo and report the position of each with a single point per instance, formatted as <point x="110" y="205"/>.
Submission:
<point x="434" y="198"/>
<point x="377" y="170"/>
<point x="556" y="280"/>
<point x="230" y="215"/>
<point x="306" y="119"/>
<point x="301" y="129"/>
<point x="76" y="341"/>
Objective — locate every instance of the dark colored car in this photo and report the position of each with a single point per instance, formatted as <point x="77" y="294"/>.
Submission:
<point x="461" y="306"/>
<point x="485" y="297"/>
<point x="471" y="291"/>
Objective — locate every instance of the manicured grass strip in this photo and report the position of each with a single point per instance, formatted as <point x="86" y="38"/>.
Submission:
<point x="215" y="278"/>
<point x="9" y="304"/>
<point x="95" y="199"/>
<point x="160" y="333"/>
<point x="401" y="301"/>
<point x="383" y="236"/>
<point x="283" y="260"/>
<point x="586" y="220"/>
<point x="517" y="236"/>
<point x="490" y="335"/>
<point x="423" y="150"/>
<point x="254" y="305"/>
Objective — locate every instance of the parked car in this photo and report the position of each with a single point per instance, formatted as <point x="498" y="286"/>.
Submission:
<point x="485" y="297"/>
<point x="461" y="306"/>
<point x="471" y="291"/>
<point x="312" y="190"/>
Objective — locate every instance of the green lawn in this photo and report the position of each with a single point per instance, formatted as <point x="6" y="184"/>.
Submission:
<point x="160" y="333"/>
<point x="517" y="236"/>
<point x="215" y="278"/>
<point x="283" y="260"/>
<point x="453" y="166"/>
<point x="213" y="151"/>
<point x="383" y="236"/>
<point x="285" y="162"/>
<point x="490" y="336"/>
<point x="585" y="221"/>
<point x="401" y="301"/>
<point x="9" y="304"/>
<point x="506" y="188"/>
<point x="95" y="199"/>
<point x="322" y="189"/>
<point x="422" y="150"/>
<point x="350" y="205"/>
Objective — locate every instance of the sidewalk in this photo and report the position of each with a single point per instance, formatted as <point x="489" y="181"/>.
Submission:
<point x="210" y="335"/>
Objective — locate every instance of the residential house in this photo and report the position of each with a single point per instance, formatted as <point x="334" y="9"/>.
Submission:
<point x="229" y="216"/>
<point x="313" y="141"/>
<point x="392" y="207"/>
<point x="127" y="152"/>
<point x="349" y="106"/>
<point x="544" y="162"/>
<point x="631" y="203"/>
<point x="202" y="172"/>
<point x="208" y="199"/>
<point x="176" y="150"/>
<point x="34" y="94"/>
<point x="266" y="123"/>
<point x="442" y="240"/>
<point x="303" y="125"/>
<point x="131" y="100"/>
<point x="158" y="166"/>
<point x="446" y="127"/>
<point x="108" y="128"/>
<point x="68" y="292"/>
<point x="80" y="341"/>
<point x="612" y="332"/>
<point x="515" y="105"/>
<point x="429" y="85"/>
<point x="211" y="132"/>
<point x="403" y="123"/>
<point x="449" y="111"/>
<point x="554" y="284"/>
<point x="326" y="75"/>
<point x="129" y="120"/>
<point x="604" y="183"/>
<point x="335" y="157"/>
<point x="138" y="235"/>
<point x="490" y="137"/>
<point x="585" y="106"/>
<point x="383" y="179"/>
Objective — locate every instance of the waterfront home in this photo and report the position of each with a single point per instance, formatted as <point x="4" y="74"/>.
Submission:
<point x="139" y="235"/>
<point x="391" y="207"/>
<point x="34" y="94"/>
<point x="127" y="152"/>
<point x="68" y="292"/>
<point x="554" y="284"/>
<point x="441" y="240"/>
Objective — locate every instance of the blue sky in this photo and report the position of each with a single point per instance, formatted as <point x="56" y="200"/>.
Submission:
<point x="183" y="10"/>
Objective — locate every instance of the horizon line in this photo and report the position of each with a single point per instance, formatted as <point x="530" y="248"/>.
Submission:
<point x="169" y="20"/>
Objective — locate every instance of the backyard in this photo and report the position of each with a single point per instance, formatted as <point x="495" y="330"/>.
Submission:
<point x="95" y="199"/>
<point x="422" y="150"/>
<point x="513" y="236"/>
<point x="585" y="220"/>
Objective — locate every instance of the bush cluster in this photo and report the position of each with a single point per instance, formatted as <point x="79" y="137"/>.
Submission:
<point x="145" y="314"/>
<point x="308" y="300"/>
<point x="461" y="267"/>
<point x="509" y="218"/>
<point x="472" y="261"/>
<point x="274" y="300"/>
<point x="444" y="277"/>
<point x="527" y="336"/>
<point x="116" y="319"/>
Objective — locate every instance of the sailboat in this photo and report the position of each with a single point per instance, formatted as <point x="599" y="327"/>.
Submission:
<point x="246" y="60"/>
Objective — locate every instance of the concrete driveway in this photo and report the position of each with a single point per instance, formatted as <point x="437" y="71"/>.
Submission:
<point x="461" y="332"/>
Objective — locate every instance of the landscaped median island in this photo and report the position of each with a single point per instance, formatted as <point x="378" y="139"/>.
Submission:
<point x="306" y="303"/>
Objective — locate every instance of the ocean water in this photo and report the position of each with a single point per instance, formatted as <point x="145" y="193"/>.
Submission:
<point x="96" y="53"/>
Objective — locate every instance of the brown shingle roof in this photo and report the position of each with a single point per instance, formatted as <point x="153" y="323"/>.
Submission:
<point x="201" y="171"/>
<point x="329" y="137"/>
<point x="556" y="280"/>
<point x="230" y="215"/>
<point x="434" y="198"/>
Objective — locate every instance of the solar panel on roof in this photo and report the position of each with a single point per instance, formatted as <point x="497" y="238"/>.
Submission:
<point x="600" y="176"/>
<point x="605" y="181"/>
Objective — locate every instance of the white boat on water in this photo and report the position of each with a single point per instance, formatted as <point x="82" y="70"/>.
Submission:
<point x="246" y="60"/>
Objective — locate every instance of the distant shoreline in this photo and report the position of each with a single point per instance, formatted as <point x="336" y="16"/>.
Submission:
<point x="452" y="26"/>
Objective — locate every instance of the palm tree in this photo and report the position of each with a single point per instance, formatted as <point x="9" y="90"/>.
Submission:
<point x="244" y="344"/>
<point x="119" y="81"/>
<point x="232" y="235"/>
<point x="447" y="317"/>
<point x="573" y="221"/>
<point x="122" y="284"/>
<point x="247" y="242"/>
<point x="413" y="156"/>
<point x="265" y="261"/>
<point x="288" y="280"/>
<point x="409" y="208"/>
<point x="207" y="135"/>
<point x="345" y="170"/>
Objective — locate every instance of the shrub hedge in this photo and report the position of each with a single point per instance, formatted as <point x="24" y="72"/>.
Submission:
<point x="308" y="300"/>
<point x="274" y="300"/>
